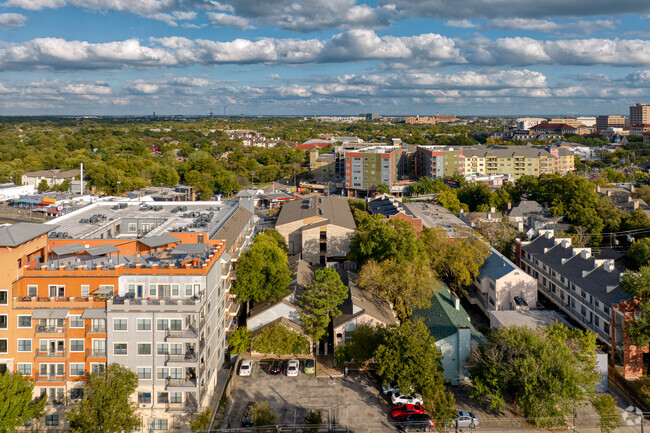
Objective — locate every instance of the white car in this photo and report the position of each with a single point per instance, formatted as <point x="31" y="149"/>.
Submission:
<point x="400" y="399"/>
<point x="245" y="367"/>
<point x="292" y="367"/>
<point x="466" y="419"/>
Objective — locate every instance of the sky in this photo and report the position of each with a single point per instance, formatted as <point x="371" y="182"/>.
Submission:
<point x="310" y="57"/>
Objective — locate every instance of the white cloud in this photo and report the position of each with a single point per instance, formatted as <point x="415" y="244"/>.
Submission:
<point x="226" y="20"/>
<point x="12" y="20"/>
<point x="462" y="24"/>
<point x="532" y="24"/>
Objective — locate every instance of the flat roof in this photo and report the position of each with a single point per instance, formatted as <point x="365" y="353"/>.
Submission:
<point x="529" y="318"/>
<point x="433" y="215"/>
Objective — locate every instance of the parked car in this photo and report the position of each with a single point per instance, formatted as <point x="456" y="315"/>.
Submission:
<point x="466" y="419"/>
<point x="401" y="412"/>
<point x="275" y="367"/>
<point x="292" y="367"/>
<point x="246" y="420"/>
<point x="245" y="367"/>
<point x="310" y="366"/>
<point x="400" y="399"/>
<point x="389" y="388"/>
<point x="417" y="422"/>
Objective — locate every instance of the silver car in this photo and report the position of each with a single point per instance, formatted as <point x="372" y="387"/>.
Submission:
<point x="466" y="419"/>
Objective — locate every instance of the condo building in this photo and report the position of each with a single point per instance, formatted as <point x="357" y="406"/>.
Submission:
<point x="367" y="168"/>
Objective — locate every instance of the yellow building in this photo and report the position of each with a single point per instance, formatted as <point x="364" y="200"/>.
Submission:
<point x="516" y="161"/>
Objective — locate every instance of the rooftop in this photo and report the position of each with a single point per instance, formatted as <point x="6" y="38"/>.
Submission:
<point x="17" y="234"/>
<point x="331" y="210"/>
<point x="433" y="215"/>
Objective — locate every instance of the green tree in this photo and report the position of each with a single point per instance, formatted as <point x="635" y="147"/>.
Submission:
<point x="43" y="186"/>
<point x="409" y="357"/>
<point x="610" y="415"/>
<point x="313" y="419"/>
<point x="382" y="188"/>
<point x="321" y="301"/>
<point x="637" y="284"/>
<point x="406" y="285"/>
<point x="279" y="340"/>
<point x="545" y="372"/>
<point x="361" y="347"/>
<point x="637" y="220"/>
<point x="279" y="239"/>
<point x="449" y="200"/>
<point x="16" y="403"/>
<point x="262" y="414"/>
<point x="381" y="240"/>
<point x="262" y="271"/>
<point x="107" y="412"/>
<point x="201" y="420"/>
<point x="639" y="252"/>
<point x="240" y="340"/>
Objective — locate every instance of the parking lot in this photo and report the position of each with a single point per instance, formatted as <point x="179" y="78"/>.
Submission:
<point x="351" y="404"/>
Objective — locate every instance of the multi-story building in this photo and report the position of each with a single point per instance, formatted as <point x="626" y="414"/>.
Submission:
<point x="367" y="168"/>
<point x="525" y="123"/>
<point x="322" y="166"/>
<point x="639" y="114"/>
<point x="144" y="286"/>
<point x="587" y="121"/>
<point x="573" y="279"/>
<point x="571" y="121"/>
<point x="417" y="120"/>
<point x="512" y="160"/>
<point x="603" y="123"/>
<point x="554" y="128"/>
<point x="439" y="161"/>
<point x="53" y="177"/>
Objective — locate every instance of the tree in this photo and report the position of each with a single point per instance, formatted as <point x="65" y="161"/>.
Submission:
<point x="409" y="357"/>
<point x="262" y="414"/>
<point x="279" y="340"/>
<point x="16" y="403"/>
<point x="449" y="200"/>
<point x="201" y="420"/>
<point x="262" y="271"/>
<point x="321" y="301"/>
<point x="313" y="420"/>
<point x="106" y="406"/>
<point x="639" y="252"/>
<point x="43" y="186"/>
<point x="279" y="239"/>
<point x="610" y="415"/>
<point x="406" y="285"/>
<point x="637" y="284"/>
<point x="240" y="340"/>
<point x="381" y="240"/>
<point x="637" y="220"/>
<point x="545" y="372"/>
<point x="361" y="347"/>
<point x="382" y="188"/>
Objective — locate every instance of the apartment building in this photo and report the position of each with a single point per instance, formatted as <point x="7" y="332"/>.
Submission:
<point x="525" y="123"/>
<point x="53" y="177"/>
<point x="417" y="120"/>
<point x="639" y="114"/>
<point x="578" y="283"/>
<point x="144" y="286"/>
<point x="514" y="160"/>
<point x="604" y="122"/>
<point x="439" y="161"/>
<point x="369" y="167"/>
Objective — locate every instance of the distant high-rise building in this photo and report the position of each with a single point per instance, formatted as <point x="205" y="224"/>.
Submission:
<point x="603" y="123"/>
<point x="639" y="114"/>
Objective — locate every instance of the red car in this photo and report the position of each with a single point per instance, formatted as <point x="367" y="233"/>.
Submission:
<point x="401" y="412"/>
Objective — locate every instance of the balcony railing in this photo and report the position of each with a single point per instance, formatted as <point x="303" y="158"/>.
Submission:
<point x="44" y="329"/>
<point x="95" y="329"/>
<point x="50" y="377"/>
<point x="50" y="353"/>
<point x="190" y="332"/>
<point x="96" y="353"/>
<point x="187" y="357"/>
<point x="181" y="383"/>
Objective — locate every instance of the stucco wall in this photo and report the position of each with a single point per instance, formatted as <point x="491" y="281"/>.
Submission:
<point x="516" y="283"/>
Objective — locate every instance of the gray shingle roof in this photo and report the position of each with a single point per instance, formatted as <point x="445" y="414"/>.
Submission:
<point x="334" y="209"/>
<point x="18" y="234"/>
<point x="234" y="226"/>
<point x="159" y="241"/>
<point x="526" y="208"/>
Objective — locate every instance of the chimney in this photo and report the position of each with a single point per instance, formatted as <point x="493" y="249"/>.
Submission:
<point x="456" y="301"/>
<point x="509" y="206"/>
<point x="629" y="198"/>
<point x="597" y="188"/>
<point x="609" y="266"/>
<point x="636" y="204"/>
<point x="492" y="209"/>
<point x="609" y="193"/>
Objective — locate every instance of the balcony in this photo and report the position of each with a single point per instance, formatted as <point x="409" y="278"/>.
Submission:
<point x="50" y="353"/>
<point x="96" y="353"/>
<point x="190" y="332"/>
<point x="50" y="377"/>
<point x="96" y="329"/>
<point x="189" y="357"/>
<point x="44" y="329"/>
<point x="181" y="383"/>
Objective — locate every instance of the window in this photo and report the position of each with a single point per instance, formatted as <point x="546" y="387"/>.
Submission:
<point x="52" y="420"/>
<point x="25" y="369"/>
<point x="97" y="367"/>
<point x="144" y="324"/>
<point x="188" y="290"/>
<point x="57" y="291"/>
<point x="85" y="290"/>
<point x="77" y="369"/>
<point x="144" y="373"/>
<point x="175" y="349"/>
<point x="119" y="348"/>
<point x="119" y="324"/>
<point x="144" y="348"/>
<point x="131" y="288"/>
<point x="158" y="424"/>
<point x="3" y="321"/>
<point x="163" y="349"/>
<point x="76" y="322"/>
<point x="76" y="393"/>
<point x="163" y="397"/>
<point x="162" y="324"/>
<point x="76" y="345"/>
<point x="24" y="345"/>
<point x="144" y="397"/>
<point x="163" y="373"/>
<point x="176" y="373"/>
<point x="32" y="290"/>
<point x="4" y="297"/>
<point x="175" y="397"/>
<point x="132" y="227"/>
<point x="176" y="324"/>
<point x="152" y="290"/>
<point x="175" y="289"/>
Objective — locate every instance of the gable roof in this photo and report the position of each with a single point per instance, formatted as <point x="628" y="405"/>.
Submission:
<point x="443" y="319"/>
<point x="496" y="266"/>
<point x="17" y="234"/>
<point x="527" y="208"/>
<point x="231" y="230"/>
<point x="333" y="209"/>
<point x="360" y="301"/>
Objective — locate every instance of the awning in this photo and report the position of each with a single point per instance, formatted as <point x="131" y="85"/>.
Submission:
<point x="50" y="313"/>
<point x="159" y="241"/>
<point x="67" y="249"/>
<point x="94" y="313"/>
<point x="103" y="291"/>
<point x="184" y="249"/>
<point x="102" y="250"/>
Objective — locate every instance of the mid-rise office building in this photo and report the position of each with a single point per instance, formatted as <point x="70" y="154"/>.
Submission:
<point x="639" y="114"/>
<point x="603" y="123"/>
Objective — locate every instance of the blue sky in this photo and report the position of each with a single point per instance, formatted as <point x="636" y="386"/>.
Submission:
<point x="465" y="57"/>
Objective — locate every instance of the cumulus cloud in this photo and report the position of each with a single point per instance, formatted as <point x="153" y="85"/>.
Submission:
<point x="12" y="20"/>
<point x="226" y="20"/>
